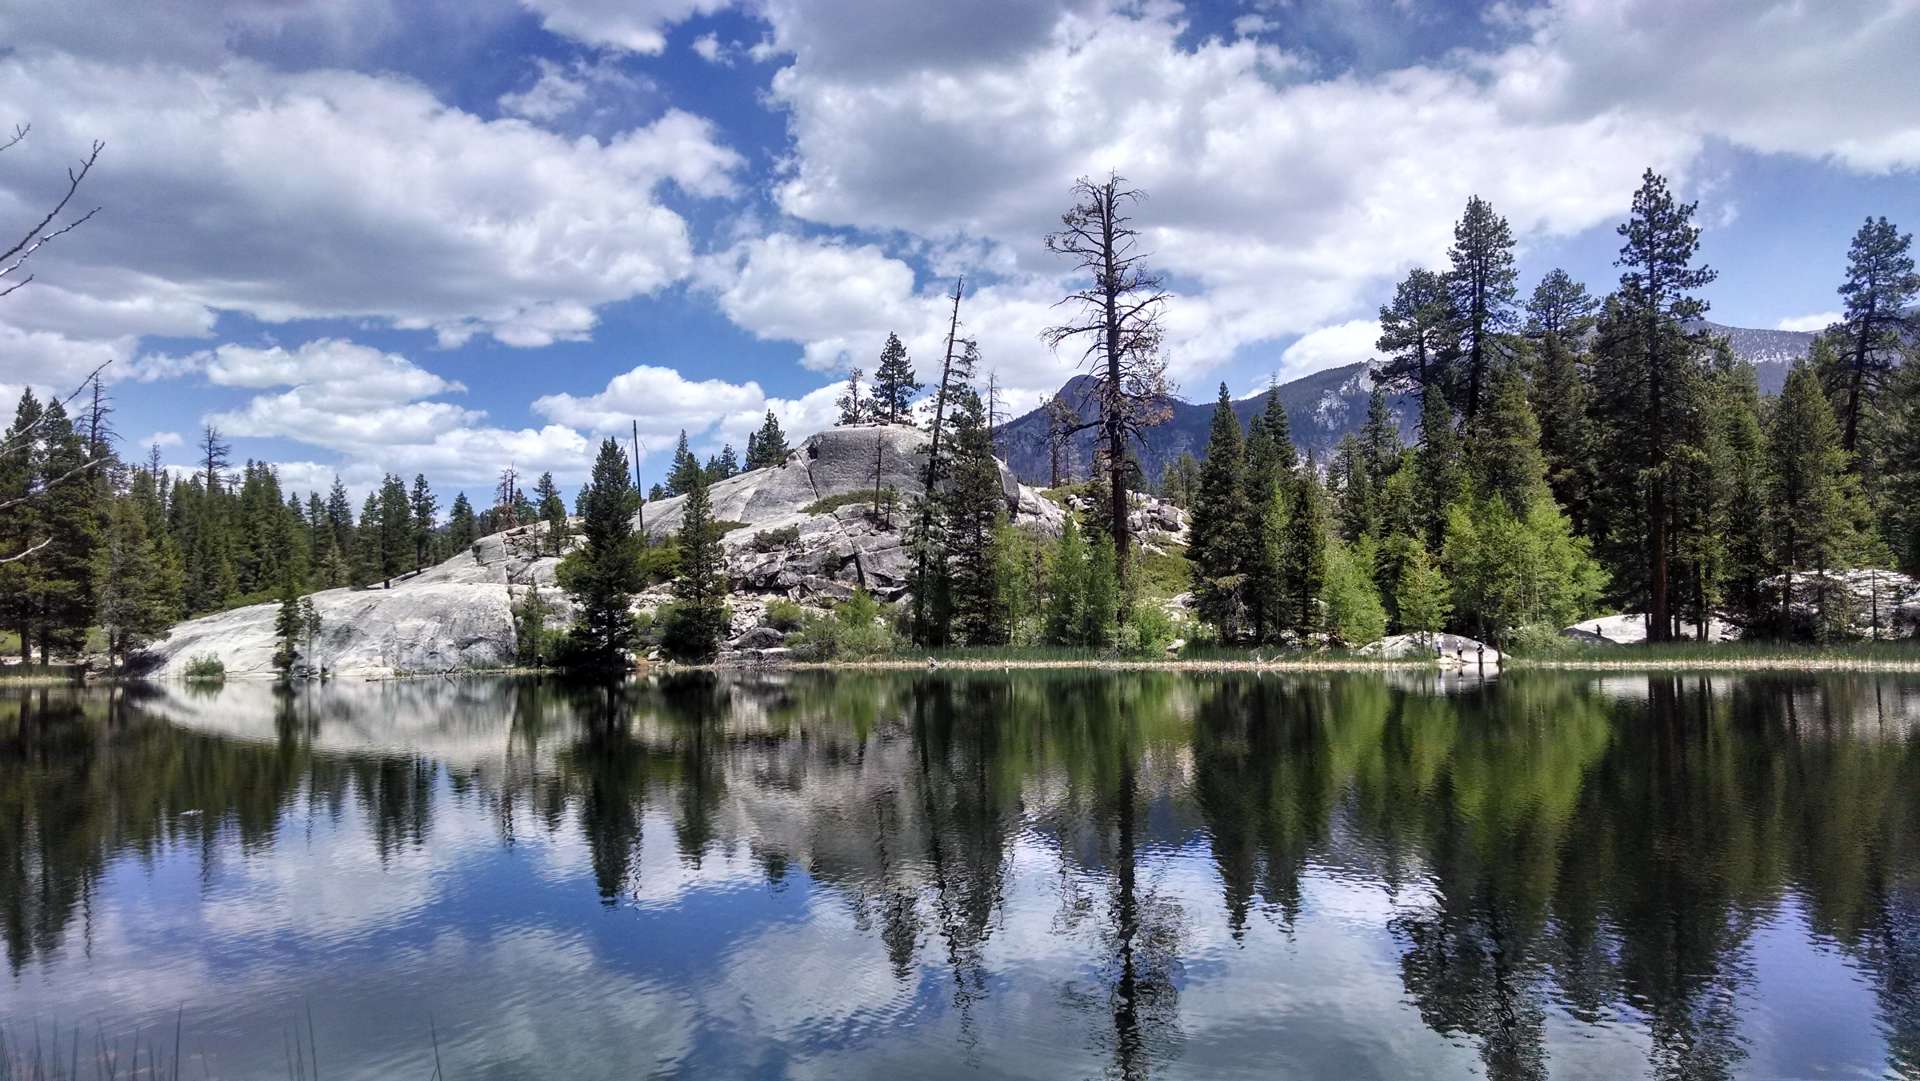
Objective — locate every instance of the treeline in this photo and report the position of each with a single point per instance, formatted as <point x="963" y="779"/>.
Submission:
<point x="1575" y="452"/>
<point x="91" y="543"/>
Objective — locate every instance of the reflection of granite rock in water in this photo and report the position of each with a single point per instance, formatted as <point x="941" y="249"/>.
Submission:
<point x="1541" y="874"/>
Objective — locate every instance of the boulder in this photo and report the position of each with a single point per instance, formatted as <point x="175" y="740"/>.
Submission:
<point x="1630" y="629"/>
<point x="761" y="637"/>
<point x="457" y="615"/>
<point x="1861" y="603"/>
<point x="1451" y="650"/>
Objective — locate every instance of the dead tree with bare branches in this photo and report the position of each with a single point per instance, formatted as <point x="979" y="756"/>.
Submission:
<point x="14" y="274"/>
<point x="1116" y="322"/>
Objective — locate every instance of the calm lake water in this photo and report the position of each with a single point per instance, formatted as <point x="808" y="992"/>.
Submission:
<point x="1038" y="875"/>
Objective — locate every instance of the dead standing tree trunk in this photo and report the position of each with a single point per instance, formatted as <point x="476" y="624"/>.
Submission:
<point x="1117" y="314"/>
<point x="960" y="359"/>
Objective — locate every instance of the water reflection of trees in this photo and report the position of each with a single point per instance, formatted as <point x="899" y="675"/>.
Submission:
<point x="1602" y="850"/>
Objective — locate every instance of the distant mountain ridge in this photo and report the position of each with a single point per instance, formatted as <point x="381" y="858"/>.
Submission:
<point x="1321" y="408"/>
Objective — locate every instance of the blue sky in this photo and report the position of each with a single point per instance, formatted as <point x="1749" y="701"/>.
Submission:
<point x="440" y="236"/>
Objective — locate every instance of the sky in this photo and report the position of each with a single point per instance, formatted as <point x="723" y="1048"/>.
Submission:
<point x="446" y="236"/>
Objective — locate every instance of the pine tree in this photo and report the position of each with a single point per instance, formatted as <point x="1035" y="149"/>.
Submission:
<point x="894" y="384"/>
<point x="340" y="516"/>
<point x="604" y="572"/>
<point x="287" y="625"/>
<point x="1380" y="437"/>
<point x="1652" y="354"/>
<point x="460" y="525"/>
<point x="1116" y="325"/>
<point x="367" y="561"/>
<point x="1560" y="309"/>
<point x="1303" y="553"/>
<point x="1505" y="443"/>
<point x="1481" y="289"/>
<point x="685" y="472"/>
<point x="395" y="529"/>
<point x="1220" y="534"/>
<point x="553" y="511"/>
<point x="973" y="509"/>
<point x="768" y="447"/>
<point x="1740" y="448"/>
<point x="63" y="570"/>
<point x="1561" y="404"/>
<point x="1351" y="485"/>
<point x="728" y="463"/>
<point x="854" y="407"/>
<point x="699" y="617"/>
<point x="1880" y="286"/>
<point x="1809" y="486"/>
<point x="1417" y="334"/>
<point x="21" y="530"/>
<point x="424" y="510"/>
<point x="1440" y="472"/>
<point x="1901" y="468"/>
<point x="136" y="592"/>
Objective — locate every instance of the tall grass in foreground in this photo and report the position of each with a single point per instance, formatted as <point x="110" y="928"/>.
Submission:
<point x="55" y="1054"/>
<point x="1726" y="653"/>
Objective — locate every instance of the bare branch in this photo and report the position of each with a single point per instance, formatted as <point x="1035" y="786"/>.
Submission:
<point x="17" y="556"/>
<point x="38" y="236"/>
<point x="19" y="132"/>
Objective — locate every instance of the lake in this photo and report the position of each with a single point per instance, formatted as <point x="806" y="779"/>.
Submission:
<point x="1037" y="875"/>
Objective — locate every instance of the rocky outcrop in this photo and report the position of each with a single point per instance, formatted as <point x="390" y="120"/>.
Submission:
<point x="453" y="616"/>
<point x="808" y="528"/>
<point x="800" y="530"/>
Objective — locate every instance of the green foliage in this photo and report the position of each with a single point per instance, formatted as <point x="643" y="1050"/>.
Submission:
<point x="768" y="446"/>
<point x="1354" y="613"/>
<point x="831" y="503"/>
<point x="534" y="642"/>
<point x="857" y="627"/>
<point x="603" y="573"/>
<point x="1222" y="527"/>
<point x="1066" y="587"/>
<point x="785" y="615"/>
<point x="1508" y="571"/>
<point x="973" y="510"/>
<point x="894" y="384"/>
<point x="767" y="540"/>
<point x="699" y="620"/>
<point x="1100" y="607"/>
<point x="1303" y="555"/>
<point x="205" y="668"/>
<point x="1424" y="601"/>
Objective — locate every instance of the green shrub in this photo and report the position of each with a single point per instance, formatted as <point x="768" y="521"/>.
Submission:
<point x="1542" y="640"/>
<point x="785" y="615"/>
<point x="857" y="627"/>
<point x="867" y="497"/>
<point x="1149" y="629"/>
<point x="659" y="562"/>
<point x="206" y="668"/>
<point x="768" y="539"/>
<point x="691" y="633"/>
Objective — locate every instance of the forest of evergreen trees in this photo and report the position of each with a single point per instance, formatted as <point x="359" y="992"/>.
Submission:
<point x="1574" y="454"/>
<point x="1577" y="454"/>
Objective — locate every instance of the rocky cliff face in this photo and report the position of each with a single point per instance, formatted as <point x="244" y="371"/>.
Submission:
<point x="794" y="539"/>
